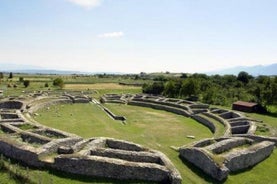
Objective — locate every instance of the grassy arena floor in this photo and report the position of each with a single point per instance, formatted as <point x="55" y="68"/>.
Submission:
<point x="152" y="128"/>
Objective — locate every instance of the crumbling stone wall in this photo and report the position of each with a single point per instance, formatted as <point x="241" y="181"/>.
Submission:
<point x="201" y="159"/>
<point x="245" y="158"/>
<point x="111" y="168"/>
<point x="160" y="107"/>
<point x="205" y="122"/>
<point x="25" y="154"/>
<point x="226" y="154"/>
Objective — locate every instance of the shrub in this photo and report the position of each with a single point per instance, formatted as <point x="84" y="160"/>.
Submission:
<point x="26" y="83"/>
<point x="58" y="82"/>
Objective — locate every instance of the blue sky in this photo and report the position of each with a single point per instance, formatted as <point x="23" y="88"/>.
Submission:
<point x="138" y="35"/>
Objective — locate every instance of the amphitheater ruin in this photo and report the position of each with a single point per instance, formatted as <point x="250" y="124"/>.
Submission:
<point x="25" y="140"/>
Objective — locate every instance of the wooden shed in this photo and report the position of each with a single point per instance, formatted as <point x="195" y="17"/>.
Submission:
<point x="245" y="106"/>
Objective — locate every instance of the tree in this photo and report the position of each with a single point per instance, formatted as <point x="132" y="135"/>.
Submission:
<point x="21" y="79"/>
<point x="58" y="82"/>
<point x="190" y="87"/>
<point x="155" y="88"/>
<point x="1" y="75"/>
<point x="244" y="77"/>
<point x="26" y="83"/>
<point x="46" y="85"/>
<point x="11" y="75"/>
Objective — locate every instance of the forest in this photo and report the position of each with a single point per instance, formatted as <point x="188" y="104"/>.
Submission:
<point x="216" y="89"/>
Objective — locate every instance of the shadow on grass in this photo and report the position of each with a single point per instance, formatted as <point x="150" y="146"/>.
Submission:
<point x="200" y="173"/>
<point x="271" y="114"/>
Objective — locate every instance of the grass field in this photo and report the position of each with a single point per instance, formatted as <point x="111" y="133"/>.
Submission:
<point x="152" y="128"/>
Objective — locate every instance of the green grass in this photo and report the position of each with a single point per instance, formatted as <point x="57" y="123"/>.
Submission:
<point x="152" y="128"/>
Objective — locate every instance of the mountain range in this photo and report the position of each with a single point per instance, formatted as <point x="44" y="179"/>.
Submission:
<point x="253" y="70"/>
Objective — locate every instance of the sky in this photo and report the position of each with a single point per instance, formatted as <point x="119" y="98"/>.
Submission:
<point x="133" y="36"/>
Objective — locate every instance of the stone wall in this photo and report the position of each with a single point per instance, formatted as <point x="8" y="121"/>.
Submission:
<point x="205" y="122"/>
<point x="25" y="154"/>
<point x="245" y="158"/>
<point x="221" y="120"/>
<point x="228" y="144"/>
<point x="115" y="117"/>
<point x="160" y="107"/>
<point x="133" y="156"/>
<point x="103" y="167"/>
<point x="202" y="160"/>
<point x="123" y="145"/>
<point x="227" y="154"/>
<point x="258" y="138"/>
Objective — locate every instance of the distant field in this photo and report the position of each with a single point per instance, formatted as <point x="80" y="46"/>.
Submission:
<point x="97" y="86"/>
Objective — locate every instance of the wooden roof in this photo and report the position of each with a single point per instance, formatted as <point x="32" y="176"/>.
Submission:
<point x="245" y="104"/>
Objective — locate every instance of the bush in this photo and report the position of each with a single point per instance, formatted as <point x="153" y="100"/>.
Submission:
<point x="58" y="82"/>
<point x="26" y="83"/>
<point x="21" y="79"/>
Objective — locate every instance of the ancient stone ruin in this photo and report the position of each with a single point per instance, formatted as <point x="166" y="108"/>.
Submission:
<point x="25" y="140"/>
<point x="218" y="157"/>
<point x="238" y="149"/>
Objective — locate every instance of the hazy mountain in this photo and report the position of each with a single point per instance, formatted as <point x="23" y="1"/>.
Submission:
<point x="30" y="69"/>
<point x="11" y="66"/>
<point x="253" y="70"/>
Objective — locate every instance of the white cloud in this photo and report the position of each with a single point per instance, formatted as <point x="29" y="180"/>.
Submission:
<point x="86" y="3"/>
<point x="111" y="35"/>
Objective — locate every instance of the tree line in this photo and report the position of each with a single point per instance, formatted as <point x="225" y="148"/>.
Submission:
<point x="216" y="89"/>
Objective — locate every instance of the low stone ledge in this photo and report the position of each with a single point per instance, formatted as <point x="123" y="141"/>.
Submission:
<point x="65" y="150"/>
<point x="163" y="103"/>
<point x="222" y="121"/>
<point x="205" y="122"/>
<point x="34" y="138"/>
<point x="258" y="138"/>
<point x="11" y="120"/>
<point x="228" y="144"/>
<point x="203" y="143"/>
<point x="161" y="107"/>
<point x="199" y="106"/>
<point x="124" y="145"/>
<point x="115" y="117"/>
<point x="132" y="156"/>
<point x="8" y="128"/>
<point x="52" y="147"/>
